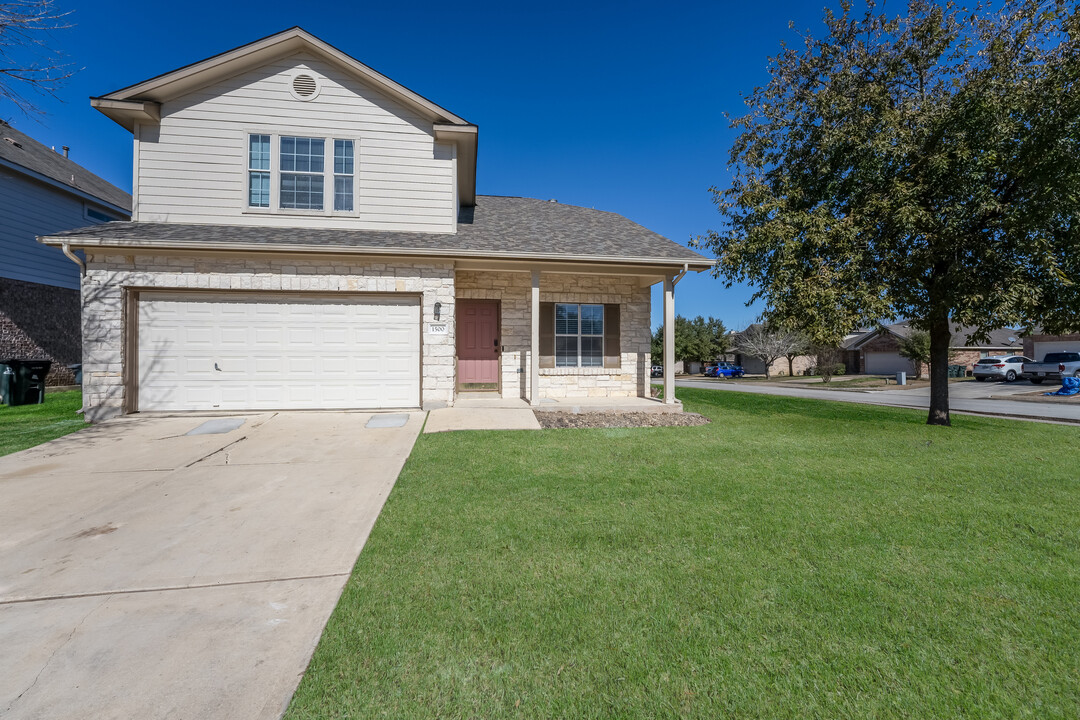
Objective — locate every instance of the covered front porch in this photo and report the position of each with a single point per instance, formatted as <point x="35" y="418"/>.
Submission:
<point x="560" y="335"/>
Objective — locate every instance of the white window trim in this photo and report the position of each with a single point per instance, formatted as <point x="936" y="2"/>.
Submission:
<point x="579" y="335"/>
<point x="275" y="174"/>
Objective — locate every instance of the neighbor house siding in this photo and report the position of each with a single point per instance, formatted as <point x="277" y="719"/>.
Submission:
<point x="30" y="209"/>
<point x="630" y="379"/>
<point x="108" y="274"/>
<point x="192" y="167"/>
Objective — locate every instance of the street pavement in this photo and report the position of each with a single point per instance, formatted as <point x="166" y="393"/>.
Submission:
<point x="990" y="398"/>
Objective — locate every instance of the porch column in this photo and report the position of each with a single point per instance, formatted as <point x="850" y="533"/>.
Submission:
<point x="534" y="346"/>
<point x="669" y="340"/>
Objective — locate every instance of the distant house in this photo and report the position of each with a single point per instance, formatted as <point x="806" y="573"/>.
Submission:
<point x="45" y="192"/>
<point x="877" y="351"/>
<point x="752" y="365"/>
<point x="1038" y="344"/>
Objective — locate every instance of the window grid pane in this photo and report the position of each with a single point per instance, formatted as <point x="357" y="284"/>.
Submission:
<point x="343" y="157"/>
<point x="566" y="319"/>
<point x="259" y="152"/>
<point x="303" y="192"/>
<point x="566" y="351"/>
<point x="343" y="193"/>
<point x="592" y="319"/>
<point x="592" y="351"/>
<point x="302" y="154"/>
<point x="259" y="189"/>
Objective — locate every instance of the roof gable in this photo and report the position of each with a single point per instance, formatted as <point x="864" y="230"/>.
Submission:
<point x="141" y="102"/>
<point x="206" y="72"/>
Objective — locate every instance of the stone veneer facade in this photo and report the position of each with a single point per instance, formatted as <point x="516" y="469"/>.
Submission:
<point x="110" y="273"/>
<point x="512" y="289"/>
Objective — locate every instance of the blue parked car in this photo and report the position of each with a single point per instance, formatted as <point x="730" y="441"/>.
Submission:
<point x="724" y="369"/>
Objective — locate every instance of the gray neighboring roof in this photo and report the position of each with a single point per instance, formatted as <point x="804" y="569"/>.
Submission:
<point x="19" y="148"/>
<point x="999" y="338"/>
<point x="497" y="227"/>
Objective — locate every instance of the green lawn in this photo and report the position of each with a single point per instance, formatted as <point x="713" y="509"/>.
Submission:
<point x="794" y="559"/>
<point x="25" y="426"/>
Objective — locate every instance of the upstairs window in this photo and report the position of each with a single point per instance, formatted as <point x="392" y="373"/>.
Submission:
<point x="305" y="171"/>
<point x="579" y="335"/>
<point x="343" y="175"/>
<point x="259" y="171"/>
<point x="303" y="164"/>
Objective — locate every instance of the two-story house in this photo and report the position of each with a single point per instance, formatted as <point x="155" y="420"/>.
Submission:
<point x="306" y="233"/>
<point x="44" y="191"/>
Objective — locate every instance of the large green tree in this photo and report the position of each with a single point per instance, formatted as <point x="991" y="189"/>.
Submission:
<point x="923" y="166"/>
<point x="698" y="340"/>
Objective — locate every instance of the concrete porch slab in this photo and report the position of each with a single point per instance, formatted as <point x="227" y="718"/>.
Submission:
<point x="481" y="418"/>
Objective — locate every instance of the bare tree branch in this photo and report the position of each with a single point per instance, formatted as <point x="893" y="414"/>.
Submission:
<point x="30" y="68"/>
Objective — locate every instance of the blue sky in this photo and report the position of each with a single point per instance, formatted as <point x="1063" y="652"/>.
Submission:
<point x="613" y="105"/>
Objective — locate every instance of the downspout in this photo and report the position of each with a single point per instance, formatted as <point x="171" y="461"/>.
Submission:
<point x="66" y="247"/>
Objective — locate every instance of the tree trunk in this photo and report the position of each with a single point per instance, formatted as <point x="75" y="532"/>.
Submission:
<point x="940" y="340"/>
<point x="791" y="365"/>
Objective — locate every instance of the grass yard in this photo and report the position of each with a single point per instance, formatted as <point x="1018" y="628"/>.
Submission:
<point x="25" y="426"/>
<point x="794" y="559"/>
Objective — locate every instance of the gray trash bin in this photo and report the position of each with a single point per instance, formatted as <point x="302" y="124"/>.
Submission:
<point x="901" y="378"/>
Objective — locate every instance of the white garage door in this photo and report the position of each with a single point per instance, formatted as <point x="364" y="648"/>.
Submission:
<point x="252" y="352"/>
<point x="1041" y="348"/>
<point x="886" y="363"/>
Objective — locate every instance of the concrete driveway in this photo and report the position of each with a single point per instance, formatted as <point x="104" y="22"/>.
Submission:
<point x="148" y="573"/>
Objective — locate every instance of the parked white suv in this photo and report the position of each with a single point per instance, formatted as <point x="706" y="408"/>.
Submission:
<point x="1007" y="368"/>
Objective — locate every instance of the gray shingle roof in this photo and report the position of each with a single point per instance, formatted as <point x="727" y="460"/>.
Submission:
<point x="19" y="148"/>
<point x="999" y="338"/>
<point x="497" y="226"/>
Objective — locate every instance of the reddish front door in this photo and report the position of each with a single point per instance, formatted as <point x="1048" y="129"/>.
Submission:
<point x="478" y="344"/>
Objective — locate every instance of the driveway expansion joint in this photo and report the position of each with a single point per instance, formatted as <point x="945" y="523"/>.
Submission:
<point x="170" y="588"/>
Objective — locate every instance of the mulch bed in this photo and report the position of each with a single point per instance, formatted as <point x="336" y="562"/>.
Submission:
<point x="618" y="419"/>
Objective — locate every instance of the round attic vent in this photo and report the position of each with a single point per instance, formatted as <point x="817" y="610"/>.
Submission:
<point x="305" y="87"/>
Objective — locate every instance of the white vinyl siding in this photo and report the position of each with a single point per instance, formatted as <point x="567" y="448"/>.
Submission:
<point x="260" y="352"/>
<point x="192" y="168"/>
<point x="29" y="209"/>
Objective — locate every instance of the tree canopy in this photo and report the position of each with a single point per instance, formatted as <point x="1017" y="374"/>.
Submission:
<point x="924" y="166"/>
<point x="696" y="340"/>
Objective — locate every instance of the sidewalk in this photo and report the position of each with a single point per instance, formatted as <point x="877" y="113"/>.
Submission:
<point x="1016" y="409"/>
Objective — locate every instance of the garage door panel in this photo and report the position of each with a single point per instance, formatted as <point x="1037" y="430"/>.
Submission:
<point x="277" y="352"/>
<point x="1041" y="348"/>
<point x="886" y="363"/>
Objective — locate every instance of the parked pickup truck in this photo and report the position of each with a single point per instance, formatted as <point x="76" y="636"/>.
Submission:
<point x="1054" y="366"/>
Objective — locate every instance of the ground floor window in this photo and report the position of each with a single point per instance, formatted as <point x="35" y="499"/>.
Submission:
<point x="579" y="335"/>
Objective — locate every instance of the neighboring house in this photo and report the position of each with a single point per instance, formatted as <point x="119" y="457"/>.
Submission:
<point x="753" y="365"/>
<point x="307" y="234"/>
<point x="877" y="352"/>
<point x="756" y="366"/>
<point x="1038" y="344"/>
<point x="43" y="192"/>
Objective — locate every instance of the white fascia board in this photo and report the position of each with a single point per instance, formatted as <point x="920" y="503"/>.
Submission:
<point x="189" y="246"/>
